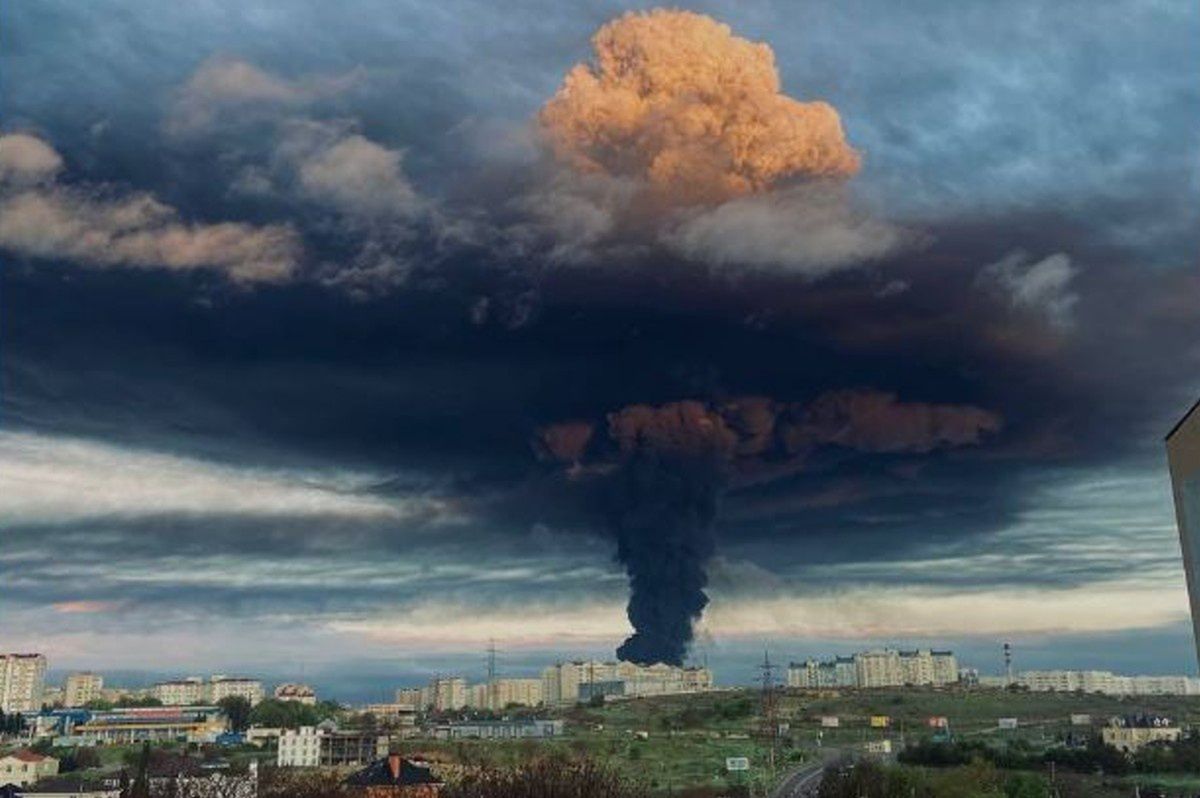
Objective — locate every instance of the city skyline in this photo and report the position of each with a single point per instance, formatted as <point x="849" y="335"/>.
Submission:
<point x="364" y="338"/>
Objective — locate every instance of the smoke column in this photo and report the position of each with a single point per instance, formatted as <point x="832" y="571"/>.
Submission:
<point x="661" y="510"/>
<point x="661" y="471"/>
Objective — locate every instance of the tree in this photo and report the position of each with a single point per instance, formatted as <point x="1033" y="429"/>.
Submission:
<point x="141" y="782"/>
<point x="237" y="710"/>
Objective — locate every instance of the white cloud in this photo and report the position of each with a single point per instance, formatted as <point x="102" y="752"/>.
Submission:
<point x="27" y="159"/>
<point x="860" y="613"/>
<point x="94" y="226"/>
<point x="342" y="169"/>
<point x="224" y="85"/>
<point x="808" y="230"/>
<point x="49" y="480"/>
<point x="1043" y="287"/>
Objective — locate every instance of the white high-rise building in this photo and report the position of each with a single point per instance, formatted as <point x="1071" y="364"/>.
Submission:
<point x="22" y="682"/>
<point x="82" y="688"/>
<point x="878" y="668"/>
<point x="1183" y="454"/>
<point x="226" y="686"/>
<point x="569" y="682"/>
<point x="447" y="693"/>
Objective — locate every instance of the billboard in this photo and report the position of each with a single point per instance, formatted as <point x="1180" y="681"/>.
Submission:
<point x="880" y="721"/>
<point x="736" y="763"/>
<point x="830" y="722"/>
<point x="938" y="721"/>
<point x="1007" y="723"/>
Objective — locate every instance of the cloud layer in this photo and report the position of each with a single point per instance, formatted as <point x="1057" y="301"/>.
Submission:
<point x="99" y="227"/>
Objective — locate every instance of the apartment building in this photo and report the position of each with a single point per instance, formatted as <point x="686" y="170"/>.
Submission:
<point x="299" y="748"/>
<point x="877" y="668"/>
<point x="180" y="692"/>
<point x="226" y="686"/>
<point x="22" y="682"/>
<point x="1106" y="682"/>
<point x="81" y="689"/>
<point x="570" y="682"/>
<point x="311" y="746"/>
<point x="410" y="696"/>
<point x="446" y="694"/>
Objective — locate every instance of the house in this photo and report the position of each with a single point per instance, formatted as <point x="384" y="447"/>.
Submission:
<point x="25" y="767"/>
<point x="393" y="777"/>
<point x="184" y="777"/>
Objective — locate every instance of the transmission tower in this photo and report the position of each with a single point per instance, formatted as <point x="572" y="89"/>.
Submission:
<point x="769" y="715"/>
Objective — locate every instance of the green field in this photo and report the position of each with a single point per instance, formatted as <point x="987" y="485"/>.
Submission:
<point x="674" y="742"/>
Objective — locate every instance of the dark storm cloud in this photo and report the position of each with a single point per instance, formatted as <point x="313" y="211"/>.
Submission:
<point x="1036" y="161"/>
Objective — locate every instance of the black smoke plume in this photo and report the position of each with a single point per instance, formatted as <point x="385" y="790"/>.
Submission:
<point x="661" y="510"/>
<point x="662" y="470"/>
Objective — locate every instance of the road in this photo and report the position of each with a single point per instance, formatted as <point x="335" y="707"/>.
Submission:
<point x="804" y="780"/>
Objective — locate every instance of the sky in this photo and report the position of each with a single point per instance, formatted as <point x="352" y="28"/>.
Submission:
<point x="339" y="340"/>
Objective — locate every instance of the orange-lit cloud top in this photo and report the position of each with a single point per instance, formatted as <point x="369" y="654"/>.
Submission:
<point x="676" y="99"/>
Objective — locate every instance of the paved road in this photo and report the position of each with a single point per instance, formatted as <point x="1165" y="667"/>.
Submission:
<point x="804" y="780"/>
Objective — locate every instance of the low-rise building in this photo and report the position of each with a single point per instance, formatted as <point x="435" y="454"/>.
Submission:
<point x="498" y="729"/>
<point x="196" y="724"/>
<point x="81" y="689"/>
<point x="1132" y="732"/>
<point x="311" y="746"/>
<point x="299" y="748"/>
<point x="26" y="767"/>
<point x="72" y="786"/>
<point x="300" y="693"/>
<point x="395" y="777"/>
<point x="190" y="778"/>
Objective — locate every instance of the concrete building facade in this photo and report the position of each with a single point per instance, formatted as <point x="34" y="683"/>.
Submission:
<point x="877" y="668"/>
<point x="22" y="682"/>
<point x="82" y="688"/>
<point x="568" y="682"/>
<point x="226" y="686"/>
<point x="1183" y="457"/>
<point x="180" y="692"/>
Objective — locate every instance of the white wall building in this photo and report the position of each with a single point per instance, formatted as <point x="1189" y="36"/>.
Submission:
<point x="447" y="693"/>
<point x="1106" y="682"/>
<point x="569" y="682"/>
<point x="22" y="682"/>
<point x="299" y="748"/>
<point x="82" y="688"/>
<point x="226" y="686"/>
<point x="180" y="692"/>
<point x="877" y="668"/>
